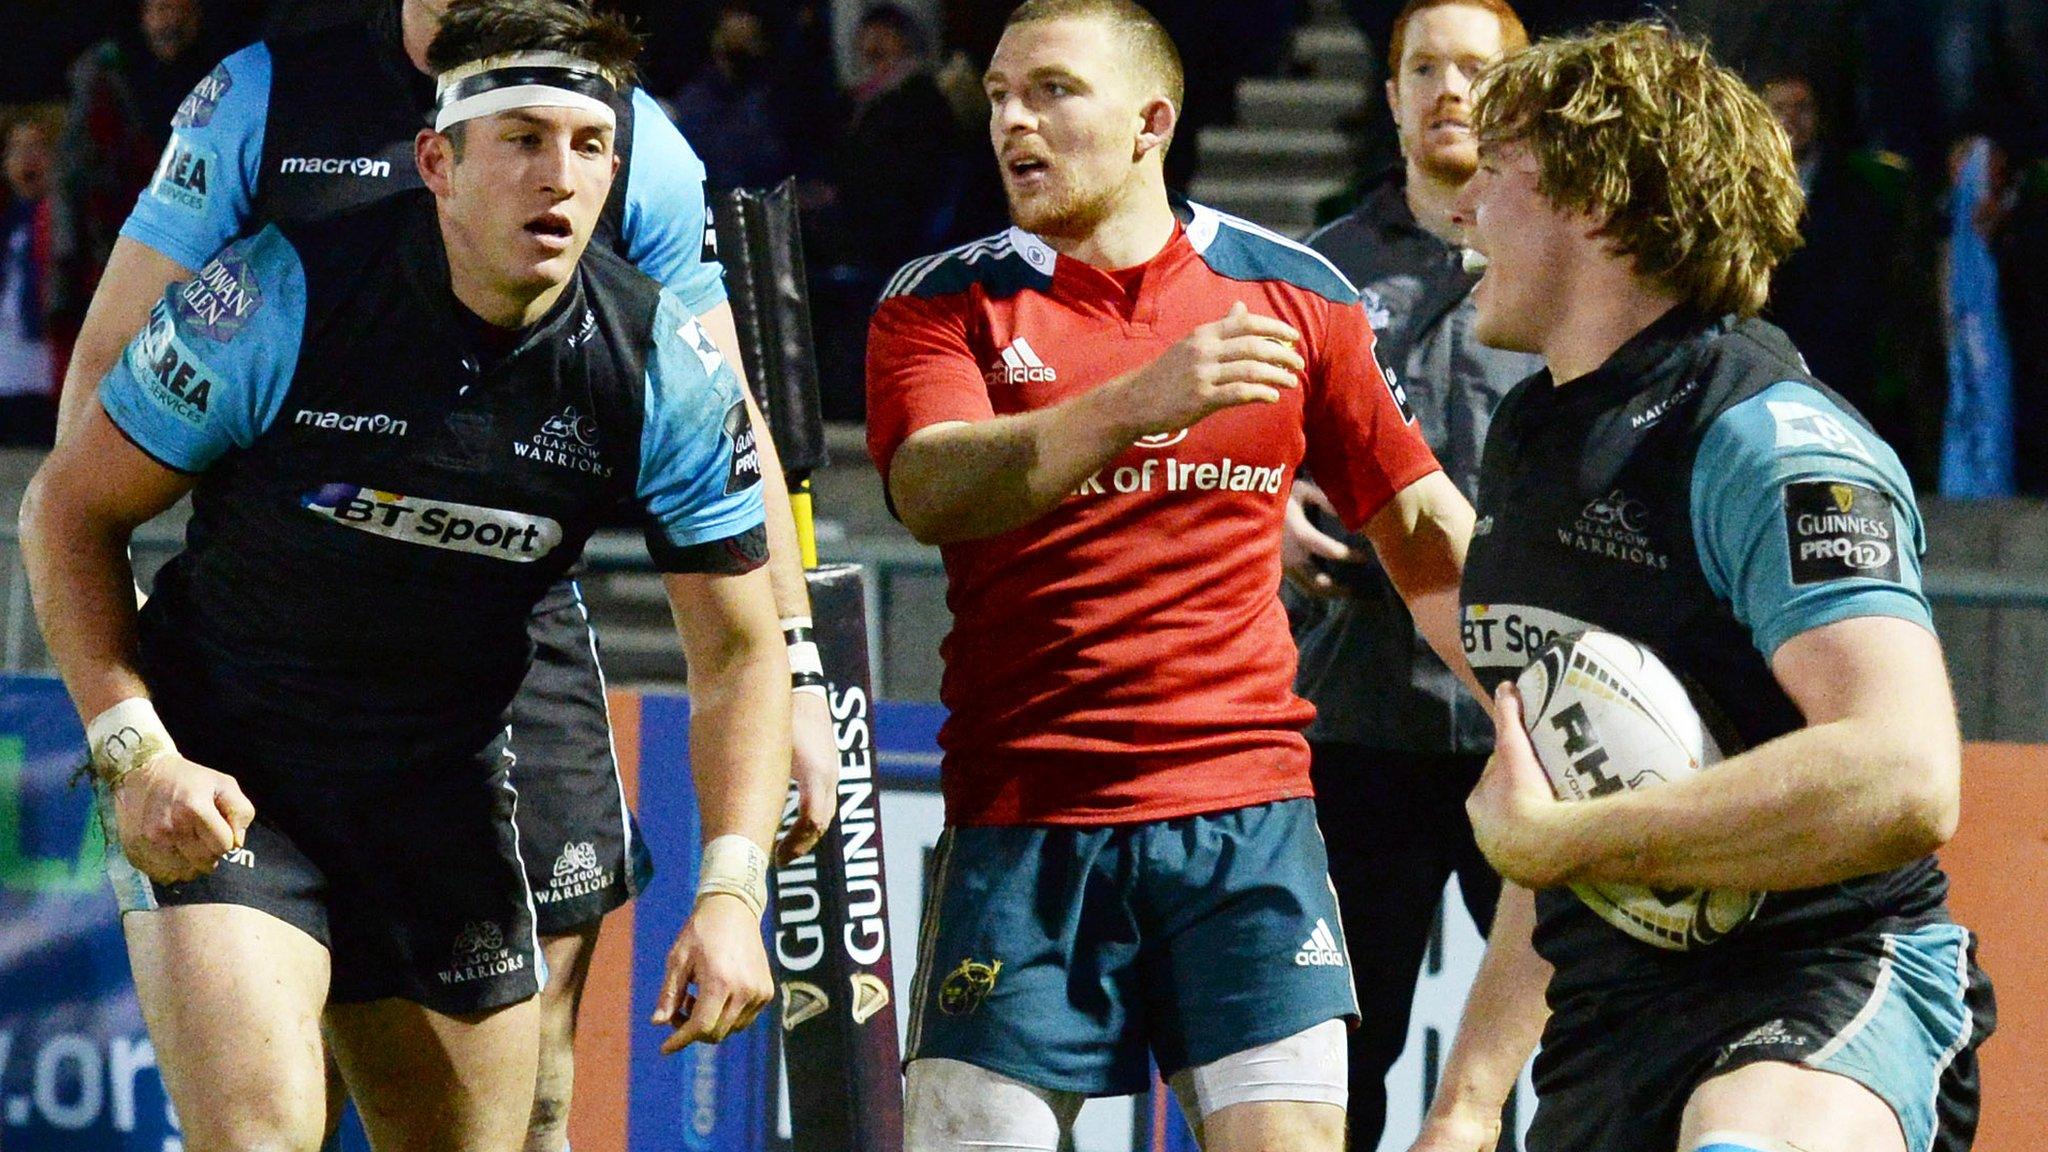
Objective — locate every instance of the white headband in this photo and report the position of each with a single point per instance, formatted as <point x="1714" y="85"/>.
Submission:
<point x="521" y="80"/>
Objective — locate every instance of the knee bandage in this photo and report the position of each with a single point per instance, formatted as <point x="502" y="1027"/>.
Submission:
<point x="1310" y="1066"/>
<point x="954" y="1106"/>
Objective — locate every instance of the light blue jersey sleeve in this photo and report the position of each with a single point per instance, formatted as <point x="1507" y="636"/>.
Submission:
<point x="205" y="185"/>
<point x="700" y="470"/>
<point x="666" y="227"/>
<point x="210" y="370"/>
<point x="1802" y="518"/>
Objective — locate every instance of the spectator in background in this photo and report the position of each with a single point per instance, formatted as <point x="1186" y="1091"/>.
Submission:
<point x="1841" y="297"/>
<point x="124" y="92"/>
<point x="1825" y="296"/>
<point x="1978" y="441"/>
<point x="28" y="394"/>
<point x="732" y="110"/>
<point x="897" y="173"/>
<point x="898" y="170"/>
<point x="1814" y="40"/>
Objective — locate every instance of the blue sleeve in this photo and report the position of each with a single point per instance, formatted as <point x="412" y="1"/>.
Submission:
<point x="210" y="370"/>
<point x="667" y="232"/>
<point x="204" y="187"/>
<point x="1803" y="518"/>
<point x="700" y="471"/>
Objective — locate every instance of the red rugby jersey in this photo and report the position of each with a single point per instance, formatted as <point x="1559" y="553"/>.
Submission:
<point x="1125" y="657"/>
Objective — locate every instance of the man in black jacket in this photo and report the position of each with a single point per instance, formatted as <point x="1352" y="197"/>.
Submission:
<point x="1838" y="296"/>
<point x="1396" y="742"/>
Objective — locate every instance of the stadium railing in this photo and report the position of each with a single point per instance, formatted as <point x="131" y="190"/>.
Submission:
<point x="1981" y="613"/>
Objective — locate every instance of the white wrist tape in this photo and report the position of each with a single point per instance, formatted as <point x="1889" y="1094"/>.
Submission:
<point x="806" y="667"/>
<point x="124" y="738"/>
<point x="735" y="866"/>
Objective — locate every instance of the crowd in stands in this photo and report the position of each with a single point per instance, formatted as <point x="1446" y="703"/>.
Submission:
<point x="1881" y="100"/>
<point x="70" y="181"/>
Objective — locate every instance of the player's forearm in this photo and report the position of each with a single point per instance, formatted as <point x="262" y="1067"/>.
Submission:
<point x="84" y="591"/>
<point x="1817" y="806"/>
<point x="1503" y="1019"/>
<point x="785" y="555"/>
<point x="970" y="481"/>
<point x="739" y="711"/>
<point x="1421" y="537"/>
<point x="739" y="740"/>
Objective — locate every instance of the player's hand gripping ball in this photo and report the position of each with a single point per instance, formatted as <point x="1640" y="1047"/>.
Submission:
<point x="1605" y="716"/>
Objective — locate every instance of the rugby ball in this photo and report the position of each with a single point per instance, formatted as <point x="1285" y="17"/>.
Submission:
<point x="1607" y="716"/>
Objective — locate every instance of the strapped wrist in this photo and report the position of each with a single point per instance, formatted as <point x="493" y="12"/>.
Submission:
<point x="735" y="866"/>
<point x="126" y="737"/>
<point x="806" y="666"/>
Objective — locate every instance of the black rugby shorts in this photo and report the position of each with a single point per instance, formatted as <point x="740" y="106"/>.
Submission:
<point x="1899" y="1007"/>
<point x="581" y="845"/>
<point x="411" y="880"/>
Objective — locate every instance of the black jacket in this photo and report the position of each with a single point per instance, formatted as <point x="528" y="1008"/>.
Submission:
<point x="1372" y="678"/>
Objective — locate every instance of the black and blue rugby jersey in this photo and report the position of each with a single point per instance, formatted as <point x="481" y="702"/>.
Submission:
<point x="1703" y="494"/>
<point x="382" y="502"/>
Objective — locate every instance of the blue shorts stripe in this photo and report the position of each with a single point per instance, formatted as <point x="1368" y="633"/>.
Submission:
<point x="1963" y="1034"/>
<point x="1911" y="1029"/>
<point x="1343" y="941"/>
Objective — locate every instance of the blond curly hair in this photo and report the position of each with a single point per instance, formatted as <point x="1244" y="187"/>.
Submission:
<point x="1637" y="125"/>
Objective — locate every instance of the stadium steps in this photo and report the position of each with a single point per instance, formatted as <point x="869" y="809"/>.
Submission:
<point x="1334" y="48"/>
<point x="1284" y="204"/>
<point x="1238" y="153"/>
<point x="1288" y="149"/>
<point x="1289" y="102"/>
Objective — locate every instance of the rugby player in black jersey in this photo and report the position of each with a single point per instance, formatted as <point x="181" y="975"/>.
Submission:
<point x="1677" y="476"/>
<point x="301" y="741"/>
<point x="302" y="126"/>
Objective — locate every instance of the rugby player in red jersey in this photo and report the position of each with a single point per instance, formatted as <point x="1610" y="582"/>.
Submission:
<point x="1098" y="414"/>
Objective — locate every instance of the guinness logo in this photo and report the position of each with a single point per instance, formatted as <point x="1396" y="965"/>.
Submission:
<point x="870" y="996"/>
<point x="1845" y="497"/>
<point x="800" y="1002"/>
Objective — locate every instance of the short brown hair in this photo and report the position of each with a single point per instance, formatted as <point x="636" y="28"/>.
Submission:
<point x="1638" y="125"/>
<point x="1513" y="36"/>
<point x="1141" y="32"/>
<point x="473" y="30"/>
